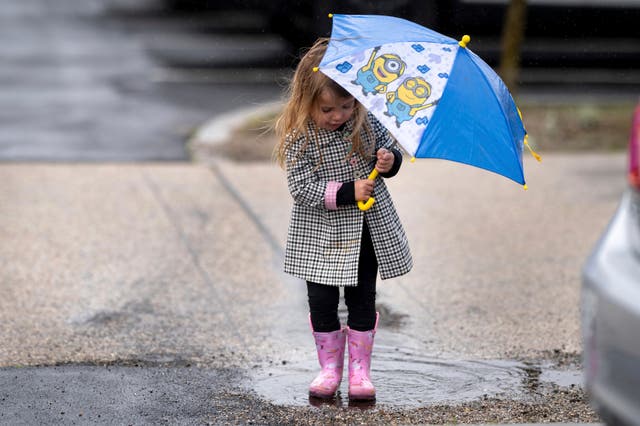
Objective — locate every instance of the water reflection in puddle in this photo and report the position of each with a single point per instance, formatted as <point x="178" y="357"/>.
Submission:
<point x="406" y="379"/>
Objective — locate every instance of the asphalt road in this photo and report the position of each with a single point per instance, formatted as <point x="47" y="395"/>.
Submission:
<point x="78" y="83"/>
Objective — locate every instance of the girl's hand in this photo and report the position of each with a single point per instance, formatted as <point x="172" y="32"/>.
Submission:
<point x="363" y="189"/>
<point x="385" y="160"/>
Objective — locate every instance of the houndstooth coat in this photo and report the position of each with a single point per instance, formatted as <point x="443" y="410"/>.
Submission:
<point x="323" y="240"/>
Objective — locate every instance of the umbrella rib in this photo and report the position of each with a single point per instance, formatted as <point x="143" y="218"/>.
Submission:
<point x="504" y="113"/>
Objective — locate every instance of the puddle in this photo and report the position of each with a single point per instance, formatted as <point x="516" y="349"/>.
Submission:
<point x="404" y="378"/>
<point x="563" y="378"/>
<point x="403" y="375"/>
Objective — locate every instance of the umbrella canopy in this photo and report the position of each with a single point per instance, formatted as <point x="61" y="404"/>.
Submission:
<point x="435" y="96"/>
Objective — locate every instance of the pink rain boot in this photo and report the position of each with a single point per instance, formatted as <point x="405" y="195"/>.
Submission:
<point x="360" y="348"/>
<point x="330" y="347"/>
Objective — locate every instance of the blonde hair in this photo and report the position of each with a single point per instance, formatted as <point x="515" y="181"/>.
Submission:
<point x="304" y="90"/>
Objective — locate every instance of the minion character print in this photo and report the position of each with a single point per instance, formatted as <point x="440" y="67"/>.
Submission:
<point x="379" y="72"/>
<point x="410" y="97"/>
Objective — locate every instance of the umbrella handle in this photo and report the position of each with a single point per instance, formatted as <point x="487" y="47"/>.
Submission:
<point x="364" y="206"/>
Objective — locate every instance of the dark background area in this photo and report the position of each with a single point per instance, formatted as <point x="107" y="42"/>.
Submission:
<point x="559" y="34"/>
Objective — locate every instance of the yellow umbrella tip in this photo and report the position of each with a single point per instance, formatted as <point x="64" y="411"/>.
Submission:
<point x="330" y="15"/>
<point x="465" y="40"/>
<point x="315" y="69"/>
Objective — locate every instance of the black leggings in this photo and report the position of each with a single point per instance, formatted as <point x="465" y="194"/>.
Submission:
<point x="360" y="300"/>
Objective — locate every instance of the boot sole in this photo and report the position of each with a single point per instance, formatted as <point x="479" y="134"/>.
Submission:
<point x="322" y="396"/>
<point x="362" y="398"/>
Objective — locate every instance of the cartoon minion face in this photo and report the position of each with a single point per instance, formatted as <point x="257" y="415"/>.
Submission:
<point x="414" y="91"/>
<point x="388" y="68"/>
<point x="378" y="72"/>
<point x="409" y="98"/>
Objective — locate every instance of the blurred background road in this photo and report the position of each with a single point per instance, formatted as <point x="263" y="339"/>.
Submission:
<point x="80" y="81"/>
<point x="115" y="80"/>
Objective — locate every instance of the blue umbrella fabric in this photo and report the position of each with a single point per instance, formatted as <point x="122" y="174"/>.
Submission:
<point x="435" y="96"/>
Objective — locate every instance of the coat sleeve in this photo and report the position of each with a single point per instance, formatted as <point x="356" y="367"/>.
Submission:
<point x="305" y="186"/>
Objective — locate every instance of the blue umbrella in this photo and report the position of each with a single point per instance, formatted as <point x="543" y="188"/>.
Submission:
<point x="435" y="96"/>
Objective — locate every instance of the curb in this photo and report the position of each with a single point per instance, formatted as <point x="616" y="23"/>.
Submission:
<point x="219" y="129"/>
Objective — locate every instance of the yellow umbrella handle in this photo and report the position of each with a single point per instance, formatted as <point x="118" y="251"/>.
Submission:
<point x="367" y="205"/>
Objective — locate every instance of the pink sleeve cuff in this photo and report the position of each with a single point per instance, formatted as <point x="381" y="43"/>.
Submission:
<point x="330" y="195"/>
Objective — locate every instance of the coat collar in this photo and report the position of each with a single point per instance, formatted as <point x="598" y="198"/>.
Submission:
<point x="326" y="137"/>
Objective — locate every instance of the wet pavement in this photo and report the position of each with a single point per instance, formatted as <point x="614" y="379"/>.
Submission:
<point x="152" y="394"/>
<point x="109" y="395"/>
<point x="406" y="379"/>
<point x="79" y="82"/>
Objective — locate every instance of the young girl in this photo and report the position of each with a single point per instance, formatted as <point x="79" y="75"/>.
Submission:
<point x="328" y="145"/>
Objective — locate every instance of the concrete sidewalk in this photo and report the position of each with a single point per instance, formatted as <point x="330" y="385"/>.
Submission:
<point x="102" y="263"/>
<point x="163" y="245"/>
<point x="497" y="268"/>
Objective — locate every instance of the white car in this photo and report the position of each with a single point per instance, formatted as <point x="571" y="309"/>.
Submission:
<point x="611" y="306"/>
